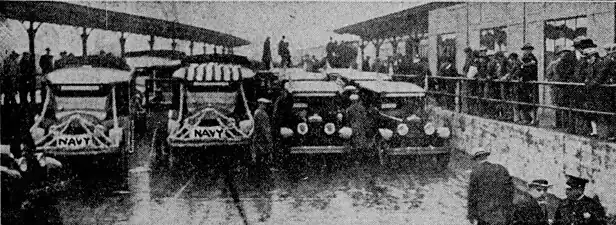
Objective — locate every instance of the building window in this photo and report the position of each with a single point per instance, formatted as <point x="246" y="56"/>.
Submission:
<point x="493" y="39"/>
<point x="445" y="49"/>
<point x="560" y="34"/>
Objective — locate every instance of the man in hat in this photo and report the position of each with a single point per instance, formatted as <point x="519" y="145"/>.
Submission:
<point x="527" y="210"/>
<point x="267" y="54"/>
<point x="548" y="201"/>
<point x="577" y="208"/>
<point x="10" y="77"/>
<point x="262" y="141"/>
<point x="561" y="70"/>
<point x="468" y="60"/>
<point x="490" y="191"/>
<point x="528" y="93"/>
<point x="479" y="67"/>
<point x="27" y="78"/>
<point x="357" y="115"/>
<point x="46" y="62"/>
<point x="597" y="97"/>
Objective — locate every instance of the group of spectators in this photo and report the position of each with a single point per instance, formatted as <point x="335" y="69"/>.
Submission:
<point x="491" y="73"/>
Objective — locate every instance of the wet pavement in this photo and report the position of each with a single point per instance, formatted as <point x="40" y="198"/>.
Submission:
<point x="208" y="188"/>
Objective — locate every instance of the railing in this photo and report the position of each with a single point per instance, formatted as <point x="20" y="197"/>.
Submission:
<point x="569" y="107"/>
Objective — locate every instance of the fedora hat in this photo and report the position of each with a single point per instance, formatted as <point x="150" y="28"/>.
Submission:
<point x="477" y="152"/>
<point x="528" y="46"/>
<point x="539" y="183"/>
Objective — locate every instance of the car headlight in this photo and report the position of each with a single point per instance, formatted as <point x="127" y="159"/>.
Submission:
<point x="315" y="118"/>
<point x="246" y="126"/>
<point x="443" y="132"/>
<point x="302" y="128"/>
<point x="329" y="128"/>
<point x="429" y="128"/>
<point x="345" y="132"/>
<point x="116" y="134"/>
<point x="413" y="118"/>
<point x="386" y="133"/>
<point x="37" y="133"/>
<point x="286" y="132"/>
<point x="402" y="129"/>
<point x="339" y="116"/>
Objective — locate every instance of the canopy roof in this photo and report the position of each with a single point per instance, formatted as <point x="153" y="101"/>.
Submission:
<point x="62" y="13"/>
<point x="313" y="87"/>
<point x="218" y="58"/>
<point x="168" y="54"/>
<point x="391" y="87"/>
<point x="395" y="24"/>
<point x="88" y="75"/>
<point x="101" y="61"/>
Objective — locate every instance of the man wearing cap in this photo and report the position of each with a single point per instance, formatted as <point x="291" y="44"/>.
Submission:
<point x="561" y="70"/>
<point x="490" y="191"/>
<point x="46" y="62"/>
<point x="468" y="60"/>
<point x="597" y="96"/>
<point x="262" y="144"/>
<point x="357" y="115"/>
<point x="548" y="201"/>
<point x="578" y="209"/>
<point x="528" y="209"/>
<point x="528" y="93"/>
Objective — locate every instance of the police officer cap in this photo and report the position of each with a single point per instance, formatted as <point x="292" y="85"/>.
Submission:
<point x="477" y="152"/>
<point x="610" y="48"/>
<point x="576" y="182"/>
<point x="528" y="46"/>
<point x="264" y="100"/>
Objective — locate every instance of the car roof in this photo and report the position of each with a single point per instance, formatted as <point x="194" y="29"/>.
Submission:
<point x="313" y="88"/>
<point x="88" y="75"/>
<point x="393" y="88"/>
<point x="300" y="75"/>
<point x="151" y="61"/>
<point x="359" y="75"/>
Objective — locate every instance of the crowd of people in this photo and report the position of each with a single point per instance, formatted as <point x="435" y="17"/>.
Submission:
<point x="492" y="199"/>
<point x="492" y="73"/>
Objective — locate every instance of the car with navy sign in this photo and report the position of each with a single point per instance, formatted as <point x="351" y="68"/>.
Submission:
<point x="87" y="111"/>
<point x="404" y="126"/>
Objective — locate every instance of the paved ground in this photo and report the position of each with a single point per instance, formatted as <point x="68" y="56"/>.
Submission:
<point x="213" y="189"/>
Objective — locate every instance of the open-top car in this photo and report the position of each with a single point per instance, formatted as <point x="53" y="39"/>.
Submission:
<point x="315" y="122"/>
<point x="87" y="112"/>
<point x="404" y="127"/>
<point x="211" y="108"/>
<point x="151" y="69"/>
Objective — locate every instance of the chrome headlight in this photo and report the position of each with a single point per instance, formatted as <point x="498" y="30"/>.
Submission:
<point x="345" y="132"/>
<point x="386" y="133"/>
<point x="339" y="116"/>
<point x="402" y="129"/>
<point x="245" y="126"/>
<point x="443" y="132"/>
<point x="315" y="118"/>
<point x="302" y="128"/>
<point x="329" y="128"/>
<point x="286" y="132"/>
<point x="429" y="128"/>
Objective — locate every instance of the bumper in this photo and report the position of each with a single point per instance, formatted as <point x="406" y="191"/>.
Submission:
<point x="319" y="149"/>
<point x="196" y="143"/>
<point x="93" y="151"/>
<point x="418" y="150"/>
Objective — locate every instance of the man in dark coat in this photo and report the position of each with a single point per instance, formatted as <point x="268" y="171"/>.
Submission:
<point x="330" y="49"/>
<point x="597" y="96"/>
<point x="547" y="201"/>
<point x="365" y="65"/>
<point x="578" y="209"/>
<point x="528" y="93"/>
<point x="468" y="60"/>
<point x="9" y="78"/>
<point x="561" y="70"/>
<point x="357" y="115"/>
<point x="490" y="191"/>
<point x="285" y="54"/>
<point x="262" y="142"/>
<point x="46" y="62"/>
<point x="527" y="210"/>
<point x="267" y="54"/>
<point x="27" y="78"/>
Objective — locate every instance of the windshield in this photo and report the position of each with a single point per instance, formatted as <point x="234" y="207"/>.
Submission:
<point x="401" y="107"/>
<point x="222" y="99"/>
<point x="92" y="99"/>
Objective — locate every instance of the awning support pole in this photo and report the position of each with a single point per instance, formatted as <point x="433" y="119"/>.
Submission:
<point x="174" y="45"/>
<point x="394" y="45"/>
<point x="204" y="48"/>
<point x="151" y="42"/>
<point x="84" y="40"/>
<point x="31" y="36"/>
<point x="122" y="44"/>
<point x="192" y="47"/>
<point x="215" y="49"/>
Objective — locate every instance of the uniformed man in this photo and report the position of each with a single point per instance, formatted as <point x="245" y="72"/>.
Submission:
<point x="528" y="93"/>
<point x="357" y="115"/>
<point x="578" y="209"/>
<point x="46" y="62"/>
<point x="262" y="141"/>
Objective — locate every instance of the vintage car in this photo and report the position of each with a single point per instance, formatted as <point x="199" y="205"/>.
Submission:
<point x="87" y="112"/>
<point x="404" y="126"/>
<point x="315" y="123"/>
<point x="211" y="108"/>
<point x="151" y="68"/>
